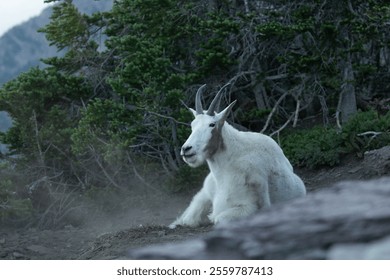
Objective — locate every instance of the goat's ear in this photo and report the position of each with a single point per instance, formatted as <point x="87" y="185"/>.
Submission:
<point x="193" y="112"/>
<point x="189" y="109"/>
<point x="221" y="117"/>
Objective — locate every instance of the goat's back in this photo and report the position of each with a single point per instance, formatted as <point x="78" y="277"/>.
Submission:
<point x="259" y="157"/>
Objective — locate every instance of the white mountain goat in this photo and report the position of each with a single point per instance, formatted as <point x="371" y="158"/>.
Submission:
<point x="248" y="170"/>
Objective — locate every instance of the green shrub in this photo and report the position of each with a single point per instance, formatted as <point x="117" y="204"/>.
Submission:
<point x="104" y="122"/>
<point x="321" y="146"/>
<point x="366" y="131"/>
<point x="15" y="211"/>
<point x="41" y="105"/>
<point x="14" y="208"/>
<point x="313" y="147"/>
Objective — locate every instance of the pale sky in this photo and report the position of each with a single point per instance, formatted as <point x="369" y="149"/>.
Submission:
<point x="14" y="12"/>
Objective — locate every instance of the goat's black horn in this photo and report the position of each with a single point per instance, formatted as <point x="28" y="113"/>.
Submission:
<point x="198" y="101"/>
<point x="216" y="101"/>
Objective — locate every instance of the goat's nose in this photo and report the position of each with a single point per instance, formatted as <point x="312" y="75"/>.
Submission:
<point x="185" y="149"/>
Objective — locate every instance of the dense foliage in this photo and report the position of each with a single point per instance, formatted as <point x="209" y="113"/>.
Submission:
<point x="326" y="146"/>
<point x="105" y="112"/>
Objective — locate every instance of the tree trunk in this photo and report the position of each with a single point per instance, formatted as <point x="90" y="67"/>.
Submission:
<point x="347" y="100"/>
<point x="260" y="96"/>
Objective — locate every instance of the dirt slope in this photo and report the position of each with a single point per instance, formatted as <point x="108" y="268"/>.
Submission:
<point x="146" y="223"/>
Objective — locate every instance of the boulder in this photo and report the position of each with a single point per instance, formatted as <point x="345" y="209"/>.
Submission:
<point x="350" y="220"/>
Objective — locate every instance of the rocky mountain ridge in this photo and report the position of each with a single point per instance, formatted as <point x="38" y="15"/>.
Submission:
<point x="23" y="47"/>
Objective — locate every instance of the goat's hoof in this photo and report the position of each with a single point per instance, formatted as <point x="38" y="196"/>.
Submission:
<point x="172" y="226"/>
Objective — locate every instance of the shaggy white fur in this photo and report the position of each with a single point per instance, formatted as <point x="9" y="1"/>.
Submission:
<point x="248" y="171"/>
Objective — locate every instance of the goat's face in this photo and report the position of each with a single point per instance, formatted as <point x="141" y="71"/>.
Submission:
<point x="206" y="137"/>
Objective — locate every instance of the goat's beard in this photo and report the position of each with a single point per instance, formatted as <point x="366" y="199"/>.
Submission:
<point x="194" y="161"/>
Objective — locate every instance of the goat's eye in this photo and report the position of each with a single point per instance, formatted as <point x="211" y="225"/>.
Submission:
<point x="211" y="124"/>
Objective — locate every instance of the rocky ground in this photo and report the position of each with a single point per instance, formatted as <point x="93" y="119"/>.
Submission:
<point x="111" y="238"/>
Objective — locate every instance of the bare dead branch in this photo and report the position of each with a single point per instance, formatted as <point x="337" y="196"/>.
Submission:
<point x="325" y="110"/>
<point x="36" y="130"/>
<point x="281" y="98"/>
<point x="296" y="115"/>
<point x="99" y="163"/>
<point x="167" y="117"/>
<point x="138" y="175"/>
<point x="373" y="134"/>
<point x="283" y="126"/>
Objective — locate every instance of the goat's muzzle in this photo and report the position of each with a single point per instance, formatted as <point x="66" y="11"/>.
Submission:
<point x="186" y="152"/>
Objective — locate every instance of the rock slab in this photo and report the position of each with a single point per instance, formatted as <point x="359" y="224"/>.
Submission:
<point x="350" y="220"/>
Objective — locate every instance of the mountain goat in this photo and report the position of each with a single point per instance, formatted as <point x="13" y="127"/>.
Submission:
<point x="248" y="170"/>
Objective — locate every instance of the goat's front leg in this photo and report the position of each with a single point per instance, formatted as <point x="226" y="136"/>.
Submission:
<point x="234" y="213"/>
<point x="196" y="212"/>
<point x="248" y="198"/>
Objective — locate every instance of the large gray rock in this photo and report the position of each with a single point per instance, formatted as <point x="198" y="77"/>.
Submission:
<point x="348" y="221"/>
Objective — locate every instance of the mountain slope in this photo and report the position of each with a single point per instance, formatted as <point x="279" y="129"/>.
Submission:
<point x="22" y="47"/>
